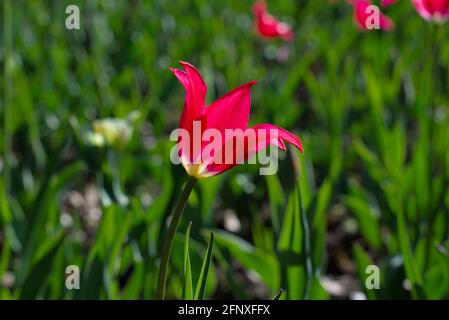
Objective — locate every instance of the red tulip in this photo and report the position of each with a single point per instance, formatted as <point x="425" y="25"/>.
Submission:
<point x="433" y="10"/>
<point x="268" y="26"/>
<point x="363" y="16"/>
<point x="230" y="113"/>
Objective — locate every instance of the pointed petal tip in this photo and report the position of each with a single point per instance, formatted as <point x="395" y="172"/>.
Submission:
<point x="187" y="65"/>
<point x="193" y="73"/>
<point x="249" y="84"/>
<point x="245" y="85"/>
<point x="176" y="71"/>
<point x="298" y="144"/>
<point x="301" y="149"/>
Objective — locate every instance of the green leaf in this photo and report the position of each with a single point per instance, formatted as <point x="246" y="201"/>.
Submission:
<point x="120" y="234"/>
<point x="200" y="288"/>
<point x="5" y="257"/>
<point x="278" y="294"/>
<point x="317" y="292"/>
<point x="92" y="282"/>
<point x="436" y="281"/>
<point x="263" y="263"/>
<point x="276" y="197"/>
<point x="366" y="211"/>
<point x="363" y="260"/>
<point x="187" y="288"/>
<point x="323" y="199"/>
<point x="290" y="248"/>
<point x="134" y="285"/>
<point x="41" y="267"/>
<point x="366" y="219"/>
<point x="5" y="212"/>
<point x="411" y="267"/>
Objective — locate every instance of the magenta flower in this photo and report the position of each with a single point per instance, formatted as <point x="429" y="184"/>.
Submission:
<point x="433" y="10"/>
<point x="226" y="121"/>
<point x="268" y="26"/>
<point x="364" y="16"/>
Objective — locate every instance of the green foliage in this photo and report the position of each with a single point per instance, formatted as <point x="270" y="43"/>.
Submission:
<point x="201" y="286"/>
<point x="187" y="289"/>
<point x="370" y="107"/>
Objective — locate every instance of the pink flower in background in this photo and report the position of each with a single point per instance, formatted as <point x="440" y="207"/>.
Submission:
<point x="268" y="26"/>
<point x="364" y="16"/>
<point x="230" y="112"/>
<point x="433" y="10"/>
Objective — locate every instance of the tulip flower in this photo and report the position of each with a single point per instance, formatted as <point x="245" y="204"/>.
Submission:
<point x="228" y="113"/>
<point x="268" y="26"/>
<point x="365" y="16"/>
<point x="112" y="132"/>
<point x="433" y="10"/>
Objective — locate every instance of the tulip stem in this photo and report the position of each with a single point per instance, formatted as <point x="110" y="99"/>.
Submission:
<point x="169" y="237"/>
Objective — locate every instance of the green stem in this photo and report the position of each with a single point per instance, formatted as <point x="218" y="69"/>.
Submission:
<point x="169" y="237"/>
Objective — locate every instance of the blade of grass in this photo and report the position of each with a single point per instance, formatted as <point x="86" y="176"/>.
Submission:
<point x="42" y="266"/>
<point x="290" y="248"/>
<point x="263" y="263"/>
<point x="411" y="268"/>
<point x="278" y="294"/>
<point x="303" y="232"/>
<point x="276" y="197"/>
<point x="187" y="288"/>
<point x="363" y="260"/>
<point x="201" y="286"/>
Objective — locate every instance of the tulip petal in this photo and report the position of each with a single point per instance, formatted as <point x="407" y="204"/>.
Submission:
<point x="268" y="26"/>
<point x="243" y="147"/>
<point x="362" y="13"/>
<point x="422" y="9"/>
<point x="196" y="89"/>
<point x="437" y="6"/>
<point x="437" y="10"/>
<point x="281" y="136"/>
<point x="231" y="111"/>
<point x="260" y="8"/>
<point x="194" y="110"/>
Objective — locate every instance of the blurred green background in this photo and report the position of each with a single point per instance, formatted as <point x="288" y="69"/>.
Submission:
<point x="371" y="188"/>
